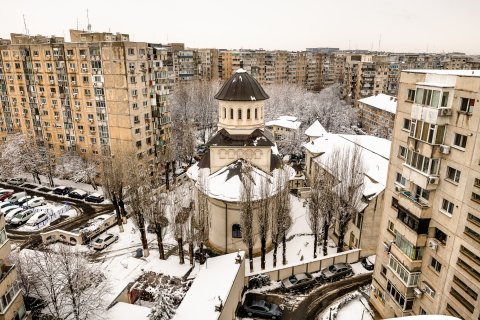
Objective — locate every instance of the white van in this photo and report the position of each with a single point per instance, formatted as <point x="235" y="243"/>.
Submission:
<point x="16" y="196"/>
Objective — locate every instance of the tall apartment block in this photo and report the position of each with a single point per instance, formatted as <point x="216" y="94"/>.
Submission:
<point x="12" y="306"/>
<point x="98" y="91"/>
<point x="428" y="259"/>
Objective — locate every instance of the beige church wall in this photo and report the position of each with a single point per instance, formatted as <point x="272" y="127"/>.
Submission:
<point x="222" y="156"/>
<point x="244" y="125"/>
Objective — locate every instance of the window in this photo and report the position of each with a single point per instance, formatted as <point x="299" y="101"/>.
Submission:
<point x="466" y="104"/>
<point x="447" y="206"/>
<point x="474" y="219"/>
<point x="410" y="95"/>
<point x="428" y="289"/>
<point x="137" y="131"/>
<point x="460" y="140"/>
<point x="437" y="266"/>
<point x="440" y="236"/>
<point x="256" y="114"/>
<point x="248" y="114"/>
<point x="420" y="226"/>
<point x="462" y="300"/>
<point x="475" y="197"/>
<point x="430" y="133"/>
<point x="131" y="51"/>
<point x="391" y="226"/>
<point x="427" y="97"/>
<point x="132" y="79"/>
<point x="383" y="272"/>
<point x="239" y="114"/>
<point x="93" y="140"/>
<point x="414" y="253"/>
<point x="468" y="290"/>
<point x="444" y="99"/>
<point x="422" y="163"/>
<point x="400" y="179"/>
<point x="473" y="234"/>
<point x="398" y="297"/>
<point x="224" y="113"/>
<point x="453" y="174"/>
<point x="402" y="152"/>
<point x="406" y="124"/>
<point x="395" y="203"/>
<point x="231" y="113"/>
<point x="236" y="231"/>
<point x="136" y="119"/>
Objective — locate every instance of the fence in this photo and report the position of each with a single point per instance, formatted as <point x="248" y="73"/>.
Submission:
<point x="284" y="271"/>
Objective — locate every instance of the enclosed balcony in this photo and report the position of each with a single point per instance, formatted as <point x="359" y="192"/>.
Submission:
<point x="415" y="204"/>
<point x="432" y="105"/>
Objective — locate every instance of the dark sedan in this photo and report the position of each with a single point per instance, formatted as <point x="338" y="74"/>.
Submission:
<point x="262" y="308"/>
<point x="95" y="198"/>
<point x="336" y="271"/>
<point x="298" y="281"/>
<point x="62" y="190"/>
<point x="367" y="264"/>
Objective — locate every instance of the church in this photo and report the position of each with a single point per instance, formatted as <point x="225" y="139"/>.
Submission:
<point x="241" y="139"/>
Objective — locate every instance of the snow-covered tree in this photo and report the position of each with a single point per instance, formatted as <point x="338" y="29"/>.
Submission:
<point x="73" y="167"/>
<point x="201" y="219"/>
<point x="168" y="296"/>
<point x="246" y="210"/>
<point x="156" y="214"/>
<point x="263" y="217"/>
<point x="281" y="215"/>
<point x="180" y="208"/>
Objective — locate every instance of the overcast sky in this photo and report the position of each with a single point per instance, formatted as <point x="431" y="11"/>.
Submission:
<point x="402" y="25"/>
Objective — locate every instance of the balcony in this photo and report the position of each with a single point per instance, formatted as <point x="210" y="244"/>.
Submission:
<point x="415" y="205"/>
<point x="431" y="115"/>
<point x="406" y="261"/>
<point x="419" y="178"/>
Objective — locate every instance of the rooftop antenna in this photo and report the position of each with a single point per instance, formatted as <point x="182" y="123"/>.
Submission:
<point x="89" y="26"/>
<point x="380" y="42"/>
<point x="25" y="25"/>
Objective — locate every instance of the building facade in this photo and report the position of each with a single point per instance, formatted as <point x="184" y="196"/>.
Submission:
<point x="377" y="115"/>
<point x="428" y="258"/>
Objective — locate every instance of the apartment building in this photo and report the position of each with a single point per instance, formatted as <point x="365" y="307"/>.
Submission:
<point x="98" y="91"/>
<point x="428" y="258"/>
<point x="377" y="115"/>
<point x="12" y="306"/>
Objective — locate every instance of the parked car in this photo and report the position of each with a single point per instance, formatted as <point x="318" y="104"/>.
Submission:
<point x="367" y="264"/>
<point x="262" y="308"/>
<point x="62" y="190"/>
<point x="96" y="197"/>
<point x="16" y="181"/>
<point x="35" y="202"/>
<point x="23" y="200"/>
<point x="5" y="204"/>
<point x="16" y="196"/>
<point x="336" y="272"/>
<point x="5" y="194"/>
<point x="37" y="218"/>
<point x="298" y="281"/>
<point x="78" y="194"/>
<point x="21" y="217"/>
<point x="10" y="214"/>
<point x="104" y="240"/>
<point x="6" y="210"/>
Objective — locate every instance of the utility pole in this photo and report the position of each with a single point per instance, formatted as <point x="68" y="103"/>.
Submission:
<point x="25" y="25"/>
<point x="89" y="26"/>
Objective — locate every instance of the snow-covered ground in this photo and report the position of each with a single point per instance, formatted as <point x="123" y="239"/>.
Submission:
<point x="353" y="306"/>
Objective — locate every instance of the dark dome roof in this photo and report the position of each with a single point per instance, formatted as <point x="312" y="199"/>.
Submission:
<point x="241" y="87"/>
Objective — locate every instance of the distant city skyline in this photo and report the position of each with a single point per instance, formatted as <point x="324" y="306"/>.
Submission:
<point x="387" y="25"/>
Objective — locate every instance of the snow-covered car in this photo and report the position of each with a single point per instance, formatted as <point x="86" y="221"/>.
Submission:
<point x="16" y="196"/>
<point x="35" y="202"/>
<point x="336" y="271"/>
<point x="21" y="217"/>
<point x="16" y="181"/>
<point x="23" y="200"/>
<point x="78" y="194"/>
<point x="37" y="218"/>
<point x="262" y="308"/>
<point x="367" y="264"/>
<point x="96" y="197"/>
<point x="10" y="214"/>
<point x="104" y="240"/>
<point x="5" y="194"/>
<point x="298" y="281"/>
<point x="5" y="204"/>
<point x="62" y="190"/>
<point x="6" y="210"/>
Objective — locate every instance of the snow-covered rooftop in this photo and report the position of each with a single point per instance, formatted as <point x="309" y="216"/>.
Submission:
<point x="285" y="122"/>
<point x="381" y="101"/>
<point x="464" y="73"/>
<point x="122" y="310"/>
<point x="375" y="156"/>
<point x="427" y="317"/>
<point x="225" y="184"/>
<point x="315" y="130"/>
<point x="214" y="280"/>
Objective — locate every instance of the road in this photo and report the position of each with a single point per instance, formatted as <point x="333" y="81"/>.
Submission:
<point x="32" y="238"/>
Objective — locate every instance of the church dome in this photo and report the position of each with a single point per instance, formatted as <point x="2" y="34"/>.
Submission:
<point x="241" y="87"/>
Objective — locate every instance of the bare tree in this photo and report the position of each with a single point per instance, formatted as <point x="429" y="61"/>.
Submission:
<point x="314" y="213"/>
<point x="76" y="168"/>
<point x="168" y="155"/>
<point x="247" y="209"/>
<point x="281" y="216"/>
<point x="68" y="284"/>
<point x="156" y="214"/>
<point x="263" y="216"/>
<point x="180" y="209"/>
<point x="201" y="220"/>
<point x="350" y="188"/>
<point x="139" y="194"/>
<point x="115" y="170"/>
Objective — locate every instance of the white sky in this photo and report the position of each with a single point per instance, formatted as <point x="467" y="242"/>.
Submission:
<point x="404" y="25"/>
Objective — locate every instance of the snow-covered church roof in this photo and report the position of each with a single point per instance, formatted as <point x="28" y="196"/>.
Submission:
<point x="375" y="156"/>
<point x="315" y="130"/>
<point x="226" y="183"/>
<point x="288" y="122"/>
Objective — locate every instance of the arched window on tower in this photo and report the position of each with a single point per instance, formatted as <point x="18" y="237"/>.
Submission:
<point x="231" y="113"/>
<point x="248" y="114"/>
<point x="239" y="114"/>
<point x="236" y="231"/>
<point x="256" y="113"/>
<point x="224" y="113"/>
